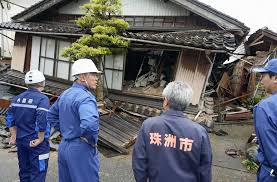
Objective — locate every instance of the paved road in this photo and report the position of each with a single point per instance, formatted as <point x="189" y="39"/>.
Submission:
<point x="117" y="168"/>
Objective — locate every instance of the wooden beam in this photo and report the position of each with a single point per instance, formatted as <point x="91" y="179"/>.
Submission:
<point x="4" y="103"/>
<point x="272" y="47"/>
<point x="256" y="43"/>
<point x="231" y="100"/>
<point x="256" y="40"/>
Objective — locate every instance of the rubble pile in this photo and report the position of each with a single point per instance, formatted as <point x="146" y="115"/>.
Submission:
<point x="4" y="135"/>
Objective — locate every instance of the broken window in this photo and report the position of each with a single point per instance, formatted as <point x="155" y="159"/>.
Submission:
<point x="148" y="71"/>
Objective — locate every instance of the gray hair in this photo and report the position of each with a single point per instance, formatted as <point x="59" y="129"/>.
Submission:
<point x="178" y="94"/>
<point x="77" y="77"/>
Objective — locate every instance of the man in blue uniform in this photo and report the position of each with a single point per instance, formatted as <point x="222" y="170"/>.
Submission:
<point x="76" y="116"/>
<point x="265" y="119"/>
<point x="171" y="147"/>
<point x="26" y="119"/>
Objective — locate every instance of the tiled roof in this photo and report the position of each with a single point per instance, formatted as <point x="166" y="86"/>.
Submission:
<point x="205" y="39"/>
<point x="217" y="40"/>
<point x="56" y="28"/>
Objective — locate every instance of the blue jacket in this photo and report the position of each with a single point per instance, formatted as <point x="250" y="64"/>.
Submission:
<point x="28" y="113"/>
<point x="170" y="147"/>
<point x="265" y="119"/>
<point x="75" y="114"/>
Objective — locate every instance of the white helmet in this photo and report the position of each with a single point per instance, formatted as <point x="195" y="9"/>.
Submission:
<point x="34" y="76"/>
<point x="84" y="66"/>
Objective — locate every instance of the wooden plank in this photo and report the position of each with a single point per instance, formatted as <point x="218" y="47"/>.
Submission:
<point x="256" y="40"/>
<point x="240" y="115"/>
<point x="125" y="135"/>
<point x="28" y="54"/>
<point x="112" y="142"/>
<point x="117" y="148"/>
<point x="119" y="120"/>
<point x="4" y="103"/>
<point x="122" y="128"/>
<point x="106" y="136"/>
<point x="129" y="123"/>
<point x="19" y="52"/>
<point x="118" y="137"/>
<point x="256" y="43"/>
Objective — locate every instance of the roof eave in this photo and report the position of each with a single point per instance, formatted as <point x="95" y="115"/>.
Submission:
<point x="224" y="21"/>
<point x="36" y="9"/>
<point x="43" y="33"/>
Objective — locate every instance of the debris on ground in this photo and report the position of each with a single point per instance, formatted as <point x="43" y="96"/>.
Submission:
<point x="252" y="148"/>
<point x="12" y="149"/>
<point x="220" y="132"/>
<point x="233" y="152"/>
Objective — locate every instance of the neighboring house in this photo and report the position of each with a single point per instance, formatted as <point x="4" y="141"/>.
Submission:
<point x="8" y="9"/>
<point x="260" y="47"/>
<point x="170" y="40"/>
<point x="262" y="42"/>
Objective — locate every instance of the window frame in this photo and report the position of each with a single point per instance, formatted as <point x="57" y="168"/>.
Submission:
<point x="56" y="59"/>
<point x="114" y="69"/>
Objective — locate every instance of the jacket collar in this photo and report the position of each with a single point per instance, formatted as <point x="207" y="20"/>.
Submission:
<point x="171" y="112"/>
<point x="33" y="90"/>
<point x="78" y="85"/>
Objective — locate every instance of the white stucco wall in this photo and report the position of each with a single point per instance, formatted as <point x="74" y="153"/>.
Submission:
<point x="134" y="8"/>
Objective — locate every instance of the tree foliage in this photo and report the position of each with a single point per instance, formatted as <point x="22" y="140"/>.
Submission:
<point x="102" y="29"/>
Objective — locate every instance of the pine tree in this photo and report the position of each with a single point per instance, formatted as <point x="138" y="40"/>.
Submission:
<point x="103" y="32"/>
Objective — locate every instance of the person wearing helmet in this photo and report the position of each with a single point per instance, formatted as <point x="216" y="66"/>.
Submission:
<point x="26" y="120"/>
<point x="76" y="116"/>
<point x="265" y="121"/>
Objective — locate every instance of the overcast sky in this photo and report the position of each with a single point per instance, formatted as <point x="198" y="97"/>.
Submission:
<point x="255" y="14"/>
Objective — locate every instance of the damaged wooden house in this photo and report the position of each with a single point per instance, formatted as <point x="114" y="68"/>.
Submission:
<point x="170" y="40"/>
<point x="260" y="47"/>
<point x="239" y="84"/>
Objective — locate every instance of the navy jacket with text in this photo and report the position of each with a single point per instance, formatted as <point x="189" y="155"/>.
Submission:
<point x="170" y="147"/>
<point x="27" y="113"/>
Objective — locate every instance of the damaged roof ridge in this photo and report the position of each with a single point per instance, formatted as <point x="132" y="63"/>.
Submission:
<point x="262" y="31"/>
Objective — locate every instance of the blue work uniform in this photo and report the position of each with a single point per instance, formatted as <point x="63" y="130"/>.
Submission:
<point x="76" y="116"/>
<point x="265" y="119"/>
<point x="171" y="147"/>
<point x="27" y="113"/>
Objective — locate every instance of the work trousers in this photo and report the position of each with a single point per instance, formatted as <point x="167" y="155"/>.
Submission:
<point x="32" y="161"/>
<point x="78" y="161"/>
<point x="263" y="175"/>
